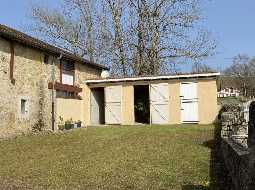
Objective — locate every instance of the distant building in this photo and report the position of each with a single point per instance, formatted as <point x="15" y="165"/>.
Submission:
<point x="228" y="92"/>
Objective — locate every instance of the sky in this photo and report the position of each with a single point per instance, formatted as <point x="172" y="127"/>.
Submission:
<point x="231" y="23"/>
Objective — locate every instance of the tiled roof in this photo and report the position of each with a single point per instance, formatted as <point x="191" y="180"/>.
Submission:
<point x="17" y="36"/>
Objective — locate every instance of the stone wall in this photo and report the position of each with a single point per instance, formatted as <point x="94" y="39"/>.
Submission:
<point x="235" y="149"/>
<point x="236" y="160"/>
<point x="31" y="79"/>
<point x="84" y="72"/>
<point x="234" y="124"/>
<point x="31" y="76"/>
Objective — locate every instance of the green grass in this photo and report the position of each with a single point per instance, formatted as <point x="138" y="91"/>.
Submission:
<point x="157" y="157"/>
<point x="230" y="100"/>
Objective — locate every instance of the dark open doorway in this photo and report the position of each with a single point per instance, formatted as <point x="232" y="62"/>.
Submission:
<point x="97" y="106"/>
<point x="142" y="104"/>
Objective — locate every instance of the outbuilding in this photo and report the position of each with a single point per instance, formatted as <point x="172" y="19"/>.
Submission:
<point x="172" y="99"/>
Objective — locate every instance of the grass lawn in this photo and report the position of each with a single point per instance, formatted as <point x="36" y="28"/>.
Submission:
<point x="231" y="100"/>
<point x="157" y="157"/>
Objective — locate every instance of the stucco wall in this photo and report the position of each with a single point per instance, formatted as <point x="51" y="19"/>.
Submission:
<point x="69" y="109"/>
<point x="86" y="94"/>
<point x="128" y="117"/>
<point x="82" y="73"/>
<point x="174" y="103"/>
<point x="207" y="101"/>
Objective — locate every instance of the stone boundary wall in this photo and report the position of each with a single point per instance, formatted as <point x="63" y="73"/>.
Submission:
<point x="237" y="163"/>
<point x="234" y="124"/>
<point x="235" y="146"/>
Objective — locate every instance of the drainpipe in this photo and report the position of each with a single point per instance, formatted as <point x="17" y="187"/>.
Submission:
<point x="53" y="99"/>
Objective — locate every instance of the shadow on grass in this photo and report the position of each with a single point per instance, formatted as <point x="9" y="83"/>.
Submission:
<point x="194" y="187"/>
<point x="219" y="178"/>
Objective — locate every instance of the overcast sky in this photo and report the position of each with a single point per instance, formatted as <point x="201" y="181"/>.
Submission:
<point x="232" y="23"/>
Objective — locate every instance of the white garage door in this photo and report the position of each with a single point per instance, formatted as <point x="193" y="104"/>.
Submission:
<point x="113" y="104"/>
<point x="159" y="99"/>
<point x="189" y="102"/>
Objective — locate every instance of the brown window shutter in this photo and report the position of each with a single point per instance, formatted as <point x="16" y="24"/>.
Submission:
<point x="12" y="63"/>
<point x="60" y="69"/>
<point x="74" y="73"/>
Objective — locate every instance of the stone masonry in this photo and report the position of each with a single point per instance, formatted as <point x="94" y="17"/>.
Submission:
<point x="238" y="144"/>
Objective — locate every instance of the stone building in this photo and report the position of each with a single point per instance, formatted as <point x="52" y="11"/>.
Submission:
<point x="29" y="68"/>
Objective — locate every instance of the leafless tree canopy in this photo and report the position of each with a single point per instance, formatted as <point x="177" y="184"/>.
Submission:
<point x="243" y="66"/>
<point x="241" y="73"/>
<point x="202" y="68"/>
<point x="133" y="37"/>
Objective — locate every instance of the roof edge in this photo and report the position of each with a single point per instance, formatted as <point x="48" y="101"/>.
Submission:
<point x="166" y="77"/>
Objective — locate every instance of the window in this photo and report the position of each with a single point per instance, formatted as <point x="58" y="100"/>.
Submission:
<point x="23" y="107"/>
<point x="46" y="59"/>
<point x="67" y="66"/>
<point x="67" y="72"/>
<point x="66" y="95"/>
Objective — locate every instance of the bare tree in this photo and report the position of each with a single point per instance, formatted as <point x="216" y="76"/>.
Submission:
<point x="65" y="29"/>
<point x="86" y="9"/>
<point x="103" y="36"/>
<point x="162" y="28"/>
<point x="116" y="10"/>
<point x="57" y="29"/>
<point x="201" y="68"/>
<point x="137" y="44"/>
<point x="134" y="37"/>
<point x="243" y="70"/>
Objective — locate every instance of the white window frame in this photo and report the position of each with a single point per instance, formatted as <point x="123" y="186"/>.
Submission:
<point x="67" y="78"/>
